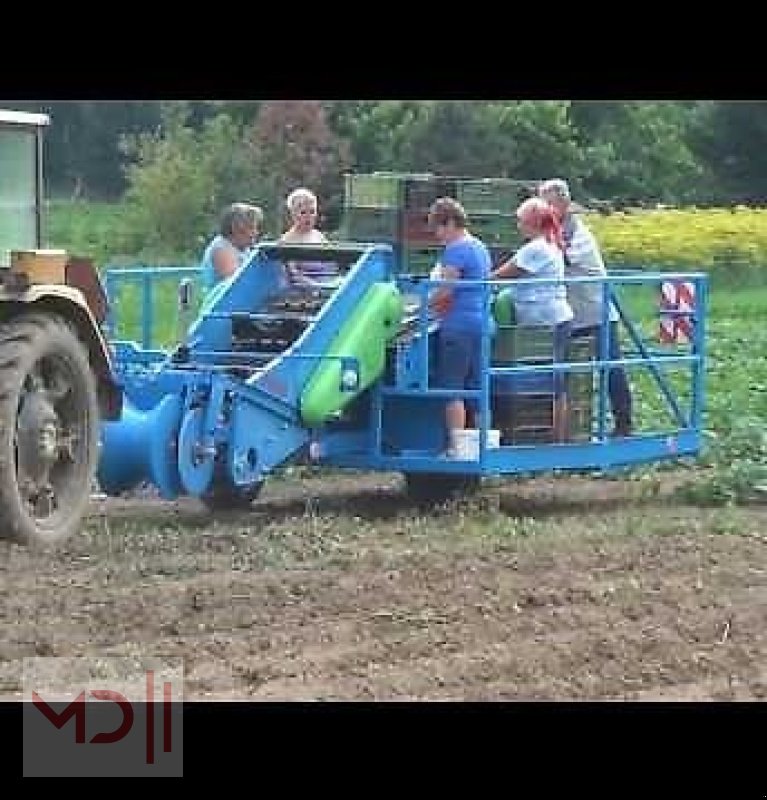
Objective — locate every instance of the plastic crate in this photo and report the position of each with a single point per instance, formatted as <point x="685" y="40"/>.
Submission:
<point x="416" y="231"/>
<point x="524" y="419"/>
<point x="493" y="195"/>
<point x="420" y="193"/>
<point x="496" y="229"/>
<point x="416" y="261"/>
<point x="372" y="225"/>
<point x="373" y="191"/>
<point x="516" y="342"/>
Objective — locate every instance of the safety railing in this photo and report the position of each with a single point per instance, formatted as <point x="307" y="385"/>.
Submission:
<point x="144" y="302"/>
<point x="652" y="346"/>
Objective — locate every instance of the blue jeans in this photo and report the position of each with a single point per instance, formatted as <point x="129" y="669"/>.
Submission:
<point x="458" y="357"/>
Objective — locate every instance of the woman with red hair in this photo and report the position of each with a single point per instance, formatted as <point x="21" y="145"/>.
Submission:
<point x="542" y="256"/>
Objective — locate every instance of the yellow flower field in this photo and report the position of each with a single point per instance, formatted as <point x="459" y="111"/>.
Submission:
<point x="706" y="239"/>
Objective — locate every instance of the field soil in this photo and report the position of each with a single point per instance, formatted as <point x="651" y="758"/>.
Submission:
<point x="338" y="588"/>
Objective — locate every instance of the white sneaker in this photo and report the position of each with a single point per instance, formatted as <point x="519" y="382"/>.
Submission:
<point x="451" y="453"/>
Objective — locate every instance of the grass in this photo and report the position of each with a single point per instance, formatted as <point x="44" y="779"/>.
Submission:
<point x="86" y="229"/>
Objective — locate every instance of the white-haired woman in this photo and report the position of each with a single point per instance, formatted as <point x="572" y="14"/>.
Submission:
<point x="239" y="230"/>
<point x="302" y="209"/>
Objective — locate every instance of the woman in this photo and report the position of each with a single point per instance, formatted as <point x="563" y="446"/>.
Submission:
<point x="302" y="209"/>
<point x="239" y="230"/>
<point x="461" y="311"/>
<point x="542" y="256"/>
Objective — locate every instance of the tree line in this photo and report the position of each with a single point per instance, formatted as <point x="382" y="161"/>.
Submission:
<point x="176" y="163"/>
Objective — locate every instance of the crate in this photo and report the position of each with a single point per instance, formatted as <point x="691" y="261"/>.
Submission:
<point x="496" y="230"/>
<point x="421" y="192"/>
<point x="493" y="195"/>
<point x="529" y="419"/>
<point x="524" y="403"/>
<point x="419" y="261"/>
<point x="416" y="231"/>
<point x="372" y="225"/>
<point x="581" y="420"/>
<point x="373" y="191"/>
<point x="516" y="342"/>
<point x="524" y="419"/>
<point x="580" y="385"/>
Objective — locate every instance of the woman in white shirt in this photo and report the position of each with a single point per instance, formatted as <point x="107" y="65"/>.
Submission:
<point x="302" y="208"/>
<point x="542" y="256"/>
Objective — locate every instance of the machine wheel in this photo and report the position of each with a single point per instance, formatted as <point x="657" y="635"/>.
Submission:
<point x="49" y="429"/>
<point x="427" y="487"/>
<point x="231" y="498"/>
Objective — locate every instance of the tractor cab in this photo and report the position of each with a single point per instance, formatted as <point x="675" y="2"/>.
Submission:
<point x="21" y="187"/>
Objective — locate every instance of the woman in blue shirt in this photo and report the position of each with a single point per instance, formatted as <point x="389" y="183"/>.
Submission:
<point x="461" y="312"/>
<point x="239" y="230"/>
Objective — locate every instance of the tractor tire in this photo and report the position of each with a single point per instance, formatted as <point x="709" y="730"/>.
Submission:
<point x="434" y="488"/>
<point x="49" y="429"/>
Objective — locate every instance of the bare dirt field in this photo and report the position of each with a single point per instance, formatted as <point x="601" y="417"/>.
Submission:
<point x="336" y="588"/>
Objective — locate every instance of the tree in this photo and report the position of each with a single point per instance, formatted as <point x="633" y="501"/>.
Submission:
<point x="637" y="151"/>
<point x="729" y="139"/>
<point x="294" y="145"/>
<point x="180" y="179"/>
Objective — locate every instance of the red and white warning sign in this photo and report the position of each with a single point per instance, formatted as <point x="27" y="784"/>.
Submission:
<point x="676" y="296"/>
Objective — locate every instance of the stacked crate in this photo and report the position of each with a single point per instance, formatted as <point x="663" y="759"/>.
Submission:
<point x="371" y="208"/>
<point x="580" y="389"/>
<point x="523" y="405"/>
<point x="490" y="204"/>
<point x="393" y="208"/>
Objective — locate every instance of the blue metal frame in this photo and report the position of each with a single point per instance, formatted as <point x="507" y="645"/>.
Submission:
<point x="147" y="278"/>
<point x="398" y="423"/>
<point x="601" y="453"/>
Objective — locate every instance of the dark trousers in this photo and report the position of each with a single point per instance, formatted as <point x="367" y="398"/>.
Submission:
<point x="617" y="382"/>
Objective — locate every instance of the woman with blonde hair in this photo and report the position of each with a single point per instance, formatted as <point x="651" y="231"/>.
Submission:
<point x="302" y="209"/>
<point x="542" y="256"/>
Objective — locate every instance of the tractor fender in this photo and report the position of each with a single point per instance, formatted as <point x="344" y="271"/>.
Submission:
<point x="69" y="304"/>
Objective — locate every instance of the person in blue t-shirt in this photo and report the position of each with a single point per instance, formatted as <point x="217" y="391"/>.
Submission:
<point x="461" y="311"/>
<point x="239" y="230"/>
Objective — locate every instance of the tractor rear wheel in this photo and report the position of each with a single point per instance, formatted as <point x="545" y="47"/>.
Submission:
<point x="49" y="429"/>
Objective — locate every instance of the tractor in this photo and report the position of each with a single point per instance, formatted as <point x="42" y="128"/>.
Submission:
<point x="56" y="379"/>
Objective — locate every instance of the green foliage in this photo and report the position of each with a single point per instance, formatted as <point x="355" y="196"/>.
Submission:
<point x="515" y="139"/>
<point x="84" y="229"/>
<point x="678" y="152"/>
<point x="736" y="414"/>
<point x="729" y="138"/>
<point x="180" y="182"/>
<point x="738" y="468"/>
<point x="293" y="145"/>
<point x="637" y="150"/>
